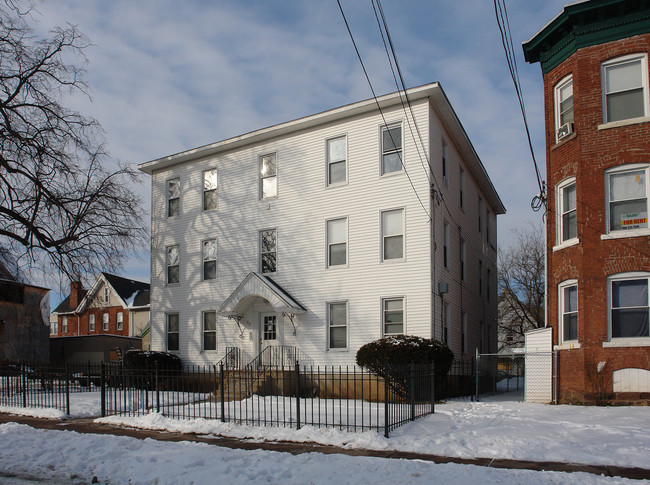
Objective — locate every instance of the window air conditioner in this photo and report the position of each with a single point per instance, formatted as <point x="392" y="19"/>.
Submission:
<point x="565" y="130"/>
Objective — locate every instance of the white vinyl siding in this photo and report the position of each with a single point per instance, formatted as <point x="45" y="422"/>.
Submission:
<point x="299" y="216"/>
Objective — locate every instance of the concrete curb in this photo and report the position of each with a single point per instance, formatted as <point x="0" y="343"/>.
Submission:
<point x="87" y="425"/>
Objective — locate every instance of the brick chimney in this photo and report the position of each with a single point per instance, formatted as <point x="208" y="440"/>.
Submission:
<point x="76" y="293"/>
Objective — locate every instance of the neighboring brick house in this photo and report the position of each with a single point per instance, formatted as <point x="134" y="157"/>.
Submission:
<point x="24" y="313"/>
<point x="113" y="305"/>
<point x="594" y="59"/>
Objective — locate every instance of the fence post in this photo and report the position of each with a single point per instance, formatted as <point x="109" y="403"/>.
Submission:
<point x="412" y="390"/>
<point x="432" y="371"/>
<point x="297" y="395"/>
<point x="386" y="379"/>
<point x="222" y="391"/>
<point x="23" y="380"/>
<point x="67" y="389"/>
<point x="478" y="358"/>
<point x="102" y="383"/>
<point x="157" y="388"/>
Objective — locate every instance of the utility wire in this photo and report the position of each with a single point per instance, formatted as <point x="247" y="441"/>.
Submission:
<point x="503" y="23"/>
<point x="381" y="112"/>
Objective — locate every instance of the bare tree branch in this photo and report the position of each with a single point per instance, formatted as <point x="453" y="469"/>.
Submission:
<point x="60" y="210"/>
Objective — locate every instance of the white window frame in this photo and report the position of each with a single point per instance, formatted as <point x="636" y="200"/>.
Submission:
<point x="169" y="199"/>
<point x="564" y="82"/>
<point x="383" y="315"/>
<point x="562" y="311"/>
<point x="211" y="260"/>
<point x="64" y="324"/>
<point x="330" y="162"/>
<point x="105" y="322"/>
<point x="643" y="58"/>
<point x="345" y="325"/>
<point x="399" y="151"/>
<point x="384" y="236"/>
<point x="120" y="321"/>
<point x="561" y="212"/>
<point x="208" y="189"/>
<point x="168" y="266"/>
<point x="624" y="341"/>
<point x="205" y="331"/>
<point x="633" y="167"/>
<point x="264" y="177"/>
<point x="445" y="244"/>
<point x="54" y="327"/>
<point x="91" y="322"/>
<point x="107" y="295"/>
<point x="177" y="332"/>
<point x="261" y="253"/>
<point x="334" y="243"/>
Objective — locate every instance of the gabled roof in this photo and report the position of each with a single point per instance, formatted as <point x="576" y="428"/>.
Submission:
<point x="255" y="286"/>
<point x="433" y="92"/>
<point x="132" y="293"/>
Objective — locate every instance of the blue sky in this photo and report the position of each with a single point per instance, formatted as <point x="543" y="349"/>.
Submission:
<point x="167" y="76"/>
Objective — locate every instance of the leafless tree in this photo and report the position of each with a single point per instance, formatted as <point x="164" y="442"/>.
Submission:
<point x="61" y="210"/>
<point x="521" y="286"/>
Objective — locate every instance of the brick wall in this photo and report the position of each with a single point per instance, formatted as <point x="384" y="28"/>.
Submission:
<point x="586" y="155"/>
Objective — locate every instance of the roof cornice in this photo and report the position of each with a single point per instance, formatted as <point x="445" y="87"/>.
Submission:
<point x="585" y="24"/>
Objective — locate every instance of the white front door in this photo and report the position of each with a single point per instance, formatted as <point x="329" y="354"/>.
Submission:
<point x="269" y="331"/>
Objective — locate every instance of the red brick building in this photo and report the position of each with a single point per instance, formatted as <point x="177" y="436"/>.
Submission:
<point x="594" y="59"/>
<point x="113" y="306"/>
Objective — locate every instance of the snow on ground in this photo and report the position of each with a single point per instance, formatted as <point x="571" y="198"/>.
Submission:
<point x="66" y="455"/>
<point x="492" y="428"/>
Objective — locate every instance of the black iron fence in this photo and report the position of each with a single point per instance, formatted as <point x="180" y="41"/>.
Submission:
<point x="347" y="398"/>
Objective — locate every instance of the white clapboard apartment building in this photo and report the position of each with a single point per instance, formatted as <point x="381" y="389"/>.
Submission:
<point x="324" y="233"/>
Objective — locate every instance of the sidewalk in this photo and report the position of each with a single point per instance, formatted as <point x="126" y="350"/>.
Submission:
<point x="87" y="425"/>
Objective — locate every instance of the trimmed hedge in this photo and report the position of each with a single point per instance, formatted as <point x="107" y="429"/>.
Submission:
<point x="147" y="360"/>
<point x="399" y="350"/>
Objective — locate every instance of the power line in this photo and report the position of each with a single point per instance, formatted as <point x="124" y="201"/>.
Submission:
<point x="381" y="112"/>
<point x="506" y="41"/>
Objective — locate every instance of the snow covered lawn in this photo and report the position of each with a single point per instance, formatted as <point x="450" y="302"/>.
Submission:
<point x="494" y="428"/>
<point x="70" y="457"/>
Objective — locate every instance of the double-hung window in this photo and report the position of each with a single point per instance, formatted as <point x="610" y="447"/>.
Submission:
<point x="393" y="315"/>
<point x="627" y="197"/>
<point x="268" y="176"/>
<point x="105" y="322"/>
<point x="444" y="163"/>
<point x="563" y="106"/>
<point x="268" y="251"/>
<point x="210" y="330"/>
<point x="210" y="189"/>
<point x="173" y="197"/>
<point x="391" y="149"/>
<point x="120" y="321"/>
<point x="567" y="227"/>
<point x="480" y="214"/>
<point x="628" y="305"/>
<point x="625" y="88"/>
<point x="392" y="230"/>
<point x="172" y="332"/>
<point x="568" y="305"/>
<point x="107" y="294"/>
<point x="209" y="259"/>
<point x="336" y="161"/>
<point x="337" y="242"/>
<point x="461" y="188"/>
<point x="338" y="325"/>
<point x="91" y="322"/>
<point x="64" y="324"/>
<point x="173" y="265"/>
<point x="446" y="317"/>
